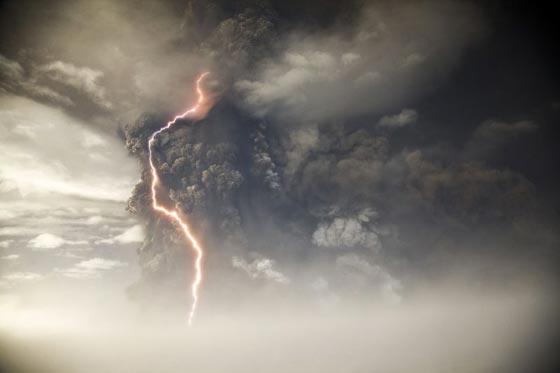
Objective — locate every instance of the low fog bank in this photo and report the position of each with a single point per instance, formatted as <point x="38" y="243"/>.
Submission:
<point x="449" y="330"/>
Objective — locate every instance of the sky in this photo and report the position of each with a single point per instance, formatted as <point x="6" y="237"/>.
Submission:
<point x="380" y="164"/>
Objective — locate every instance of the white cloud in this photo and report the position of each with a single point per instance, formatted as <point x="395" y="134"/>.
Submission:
<point x="7" y="215"/>
<point x="45" y="82"/>
<point x="131" y="235"/>
<point x="17" y="231"/>
<point x="6" y="243"/>
<point x="92" y="140"/>
<point x="83" y="79"/>
<point x="347" y="233"/>
<point x="48" y="241"/>
<point x="323" y="293"/>
<point x="91" y="268"/>
<point x="14" y="79"/>
<point x="10" y="257"/>
<point x="359" y="269"/>
<point x="404" y="118"/>
<point x="22" y="276"/>
<point x="10" y="70"/>
<point x="34" y="158"/>
<point x="325" y="76"/>
<point x="77" y="273"/>
<point x="100" y="264"/>
<point x="69" y="255"/>
<point x="320" y="284"/>
<point x="91" y="210"/>
<point x="291" y="80"/>
<point x="260" y="268"/>
<point x="95" y="220"/>
<point x="349" y="58"/>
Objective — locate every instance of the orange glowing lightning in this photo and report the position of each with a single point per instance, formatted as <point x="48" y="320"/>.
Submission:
<point x="173" y="215"/>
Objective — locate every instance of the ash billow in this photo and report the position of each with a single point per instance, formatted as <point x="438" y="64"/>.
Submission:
<point x="259" y="196"/>
<point x="224" y="176"/>
<point x="298" y="193"/>
<point x="269" y="225"/>
<point x="318" y="214"/>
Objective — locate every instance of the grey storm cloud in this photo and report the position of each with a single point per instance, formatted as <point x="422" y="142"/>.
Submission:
<point x="360" y="272"/>
<point x="360" y="70"/>
<point x="492" y="135"/>
<point x="348" y="233"/>
<point x="83" y="79"/>
<point x="243" y="38"/>
<point x="264" y="167"/>
<point x="404" y="118"/>
<point x="282" y="167"/>
<point x="340" y="167"/>
<point x="260" y="268"/>
<point x="469" y="191"/>
<point x="202" y="179"/>
<point x="14" y="79"/>
<point x="44" y="82"/>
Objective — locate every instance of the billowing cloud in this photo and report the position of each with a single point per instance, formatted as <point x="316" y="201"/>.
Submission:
<point x="11" y="73"/>
<point x="43" y="82"/>
<point x="95" y="219"/>
<point x="469" y="191"/>
<point x="91" y="268"/>
<point x="100" y="264"/>
<point x="260" y="268"/>
<point x="13" y="279"/>
<point x="404" y="118"/>
<point x="380" y="61"/>
<point x="48" y="241"/>
<point x="130" y="235"/>
<point x="133" y="234"/>
<point x="361" y="272"/>
<point x="6" y="243"/>
<point x="39" y="154"/>
<point x="297" y="160"/>
<point x="491" y="135"/>
<point x="344" y="233"/>
<point x="22" y="276"/>
<point x="84" y="79"/>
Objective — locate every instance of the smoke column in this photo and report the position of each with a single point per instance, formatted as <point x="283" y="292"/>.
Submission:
<point x="173" y="215"/>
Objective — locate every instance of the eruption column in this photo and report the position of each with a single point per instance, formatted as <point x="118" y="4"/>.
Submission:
<point x="173" y="215"/>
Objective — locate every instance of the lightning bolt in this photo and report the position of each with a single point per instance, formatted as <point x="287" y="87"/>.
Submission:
<point x="173" y="215"/>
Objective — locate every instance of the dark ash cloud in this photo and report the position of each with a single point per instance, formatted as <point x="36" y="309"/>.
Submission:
<point x="323" y="157"/>
<point x="299" y="164"/>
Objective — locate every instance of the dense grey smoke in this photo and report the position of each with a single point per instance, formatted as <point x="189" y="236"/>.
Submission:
<point x="290" y="182"/>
